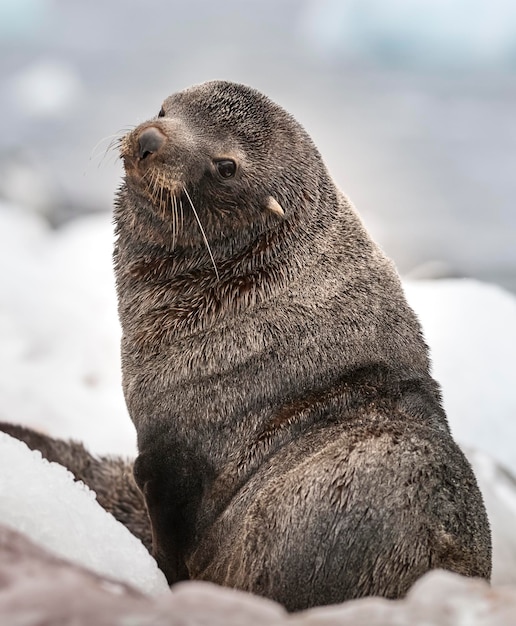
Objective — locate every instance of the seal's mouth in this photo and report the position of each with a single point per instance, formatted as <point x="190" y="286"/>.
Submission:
<point x="193" y="185"/>
<point x="165" y="195"/>
<point x="169" y="198"/>
<point x="141" y="151"/>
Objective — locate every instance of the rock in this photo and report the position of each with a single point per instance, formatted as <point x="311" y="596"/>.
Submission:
<point x="438" y="599"/>
<point x="38" y="589"/>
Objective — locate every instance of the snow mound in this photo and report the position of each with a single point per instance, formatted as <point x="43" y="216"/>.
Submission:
<point x="498" y="489"/>
<point x="42" y="500"/>
<point x="59" y="331"/>
<point x="471" y="330"/>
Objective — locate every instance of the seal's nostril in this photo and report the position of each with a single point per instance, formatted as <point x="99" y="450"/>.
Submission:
<point x="150" y="142"/>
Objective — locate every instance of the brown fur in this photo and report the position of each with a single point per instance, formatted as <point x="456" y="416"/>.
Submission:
<point x="291" y="440"/>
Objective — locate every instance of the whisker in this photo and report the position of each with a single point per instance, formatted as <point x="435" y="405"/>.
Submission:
<point x="116" y="142"/>
<point x="164" y="202"/>
<point x="116" y="139"/>
<point x="152" y="186"/>
<point x="153" y="183"/>
<point x="175" y="221"/>
<point x="168" y="205"/>
<point x="148" y="183"/>
<point x="161" y="207"/>
<point x="112" y="137"/>
<point x="173" y="218"/>
<point x="154" y="191"/>
<point x="202" y="231"/>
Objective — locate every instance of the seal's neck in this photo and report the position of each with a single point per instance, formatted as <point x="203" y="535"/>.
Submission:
<point x="167" y="292"/>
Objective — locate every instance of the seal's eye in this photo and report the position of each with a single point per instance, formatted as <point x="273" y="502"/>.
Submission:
<point x="161" y="112"/>
<point x="226" y="168"/>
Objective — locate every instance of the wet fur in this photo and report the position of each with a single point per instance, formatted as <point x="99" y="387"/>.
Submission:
<point x="291" y="440"/>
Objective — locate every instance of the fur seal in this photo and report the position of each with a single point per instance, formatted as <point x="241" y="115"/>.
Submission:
<point x="292" y="442"/>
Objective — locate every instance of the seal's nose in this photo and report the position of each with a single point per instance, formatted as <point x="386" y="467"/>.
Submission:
<point x="150" y="141"/>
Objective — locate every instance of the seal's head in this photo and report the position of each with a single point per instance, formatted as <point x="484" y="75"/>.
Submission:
<point x="225" y="198"/>
<point x="219" y="159"/>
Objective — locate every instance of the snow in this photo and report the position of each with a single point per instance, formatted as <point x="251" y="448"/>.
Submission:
<point x="471" y="330"/>
<point x="498" y="489"/>
<point x="63" y="516"/>
<point x="59" y="364"/>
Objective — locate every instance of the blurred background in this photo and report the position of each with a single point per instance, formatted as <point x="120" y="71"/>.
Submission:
<point x="411" y="102"/>
<point x="413" y="106"/>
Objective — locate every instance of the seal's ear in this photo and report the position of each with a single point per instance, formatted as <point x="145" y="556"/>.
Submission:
<point x="274" y="206"/>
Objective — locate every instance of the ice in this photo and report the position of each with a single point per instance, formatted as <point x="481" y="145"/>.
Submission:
<point x="42" y="500"/>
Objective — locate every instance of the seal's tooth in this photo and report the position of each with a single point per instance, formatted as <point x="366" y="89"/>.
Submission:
<point x="275" y="207"/>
